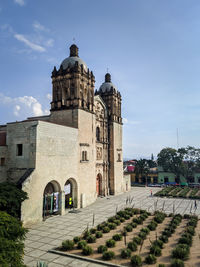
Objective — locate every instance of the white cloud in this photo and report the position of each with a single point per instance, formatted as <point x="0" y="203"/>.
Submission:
<point x="24" y="106"/>
<point x="49" y="42"/>
<point x="39" y="27"/>
<point x="16" y="110"/>
<point x="49" y="96"/>
<point x="33" y="46"/>
<point x="20" y="2"/>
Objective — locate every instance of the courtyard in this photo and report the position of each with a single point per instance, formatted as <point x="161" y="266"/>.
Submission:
<point x="49" y="234"/>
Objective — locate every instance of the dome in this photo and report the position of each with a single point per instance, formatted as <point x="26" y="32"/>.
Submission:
<point x="71" y="60"/>
<point x="107" y="85"/>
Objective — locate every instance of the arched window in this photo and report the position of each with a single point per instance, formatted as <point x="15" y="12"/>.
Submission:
<point x="98" y="134"/>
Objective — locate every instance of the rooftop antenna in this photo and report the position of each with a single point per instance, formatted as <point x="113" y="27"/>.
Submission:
<point x="177" y="138"/>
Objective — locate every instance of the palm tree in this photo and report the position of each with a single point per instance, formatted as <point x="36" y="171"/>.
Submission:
<point x="142" y="169"/>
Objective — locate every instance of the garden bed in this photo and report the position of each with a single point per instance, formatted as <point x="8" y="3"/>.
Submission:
<point x="135" y="235"/>
<point x="179" y="192"/>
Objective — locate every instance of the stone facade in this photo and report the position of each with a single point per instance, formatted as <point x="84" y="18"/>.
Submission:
<point x="72" y="156"/>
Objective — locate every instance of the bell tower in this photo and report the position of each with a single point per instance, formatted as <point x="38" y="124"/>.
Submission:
<point x="112" y="99"/>
<point x="73" y="84"/>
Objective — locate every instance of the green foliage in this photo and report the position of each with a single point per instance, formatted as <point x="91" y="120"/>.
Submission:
<point x="68" y="244"/>
<point x="99" y="234"/>
<point x="86" y="234"/>
<point x="145" y="230"/>
<point x="163" y="238"/>
<point x="106" y="229"/>
<point x="12" y="235"/>
<point x="177" y="263"/>
<point x="181" y="252"/>
<point x="152" y="226"/>
<point x="93" y="230"/>
<point x="102" y="249"/>
<point x="11" y="199"/>
<point x="132" y="246"/>
<point x="159" y="217"/>
<point x="161" y="265"/>
<point x="155" y="250"/>
<point x="142" y="235"/>
<point x="128" y="228"/>
<point x="110" y="243"/>
<point x="134" y="225"/>
<point x="87" y="250"/>
<point x="112" y="226"/>
<point x="108" y="255"/>
<point x="150" y="259"/>
<point x="91" y="239"/>
<point x="136" y="261"/>
<point x="137" y="240"/>
<point x="117" y="237"/>
<point x="126" y="253"/>
<point x="81" y="244"/>
<point x="158" y="243"/>
<point x="42" y="264"/>
<point x="76" y="239"/>
<point x="117" y="222"/>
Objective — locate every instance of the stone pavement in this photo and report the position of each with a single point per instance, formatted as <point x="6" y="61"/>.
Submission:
<point x="50" y="233"/>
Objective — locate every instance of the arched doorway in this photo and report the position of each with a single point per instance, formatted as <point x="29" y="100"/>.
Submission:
<point x="51" y="199"/>
<point x="70" y="190"/>
<point x="99" y="185"/>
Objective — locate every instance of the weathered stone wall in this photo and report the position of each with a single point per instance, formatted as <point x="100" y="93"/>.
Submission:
<point x="3" y="172"/>
<point x="68" y="117"/>
<point x="20" y="133"/>
<point x="56" y="160"/>
<point x="86" y="169"/>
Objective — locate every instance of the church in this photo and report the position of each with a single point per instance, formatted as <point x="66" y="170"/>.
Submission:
<point x="68" y="158"/>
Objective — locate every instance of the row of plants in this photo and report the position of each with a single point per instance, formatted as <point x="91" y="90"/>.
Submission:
<point x="181" y="252"/>
<point x="185" y="192"/>
<point x="138" y="240"/>
<point x="157" y="245"/>
<point x="90" y="236"/>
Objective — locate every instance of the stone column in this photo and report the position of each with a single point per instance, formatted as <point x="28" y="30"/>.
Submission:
<point x="62" y="208"/>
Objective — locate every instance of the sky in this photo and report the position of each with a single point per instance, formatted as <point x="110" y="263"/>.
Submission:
<point x="150" y="47"/>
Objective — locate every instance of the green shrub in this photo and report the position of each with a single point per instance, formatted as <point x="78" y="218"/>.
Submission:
<point x="177" y="263"/>
<point x="136" y="211"/>
<point x="142" y="235"/>
<point x="137" y="240"/>
<point x="106" y="229"/>
<point x="87" y="250"/>
<point x="128" y="228"/>
<point x="117" y="222"/>
<point x="136" y="261"/>
<point x="132" y="246"/>
<point x="86" y="234"/>
<point x="98" y="234"/>
<point x="111" y="219"/>
<point x="161" y="265"/>
<point x="150" y="259"/>
<point x="134" y="225"/>
<point x="181" y="252"/>
<point x="117" y="237"/>
<point x="112" y="226"/>
<point x="100" y="227"/>
<point x="110" y="243"/>
<point x="102" y="249"/>
<point x="93" y="230"/>
<point x="186" y="216"/>
<point x="127" y="216"/>
<point x="91" y="239"/>
<point x="163" y="238"/>
<point x="185" y="239"/>
<point x="190" y="230"/>
<point x="145" y="230"/>
<point x="152" y="226"/>
<point x="76" y="239"/>
<point x="126" y="253"/>
<point x="158" y="243"/>
<point x="81" y="244"/>
<point x="167" y="233"/>
<point x="11" y="198"/>
<point x="108" y="255"/>
<point x="155" y="250"/>
<point x="68" y="245"/>
<point x="122" y="219"/>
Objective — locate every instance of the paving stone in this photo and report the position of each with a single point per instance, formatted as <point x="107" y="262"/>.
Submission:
<point x="27" y="259"/>
<point x="52" y="264"/>
<point x="35" y="253"/>
<point x="63" y="260"/>
<point x="35" y="245"/>
<point x="49" y="257"/>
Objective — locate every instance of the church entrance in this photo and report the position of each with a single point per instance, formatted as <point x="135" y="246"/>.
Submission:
<point x="51" y="199"/>
<point x="70" y="190"/>
<point x="99" y="185"/>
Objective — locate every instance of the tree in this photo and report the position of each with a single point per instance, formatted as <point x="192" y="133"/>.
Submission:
<point x="11" y="198"/>
<point x="172" y="160"/>
<point x="191" y="161"/>
<point x="12" y="235"/>
<point x="142" y="169"/>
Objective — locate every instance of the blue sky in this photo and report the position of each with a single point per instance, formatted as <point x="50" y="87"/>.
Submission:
<point x="151" y="48"/>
